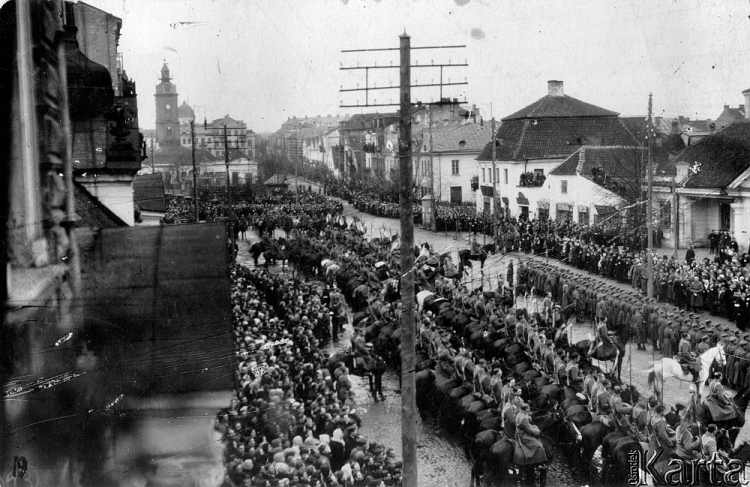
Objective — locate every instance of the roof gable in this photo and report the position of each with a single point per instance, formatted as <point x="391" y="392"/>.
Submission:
<point x="555" y="137"/>
<point x="463" y="138"/>
<point x="723" y="156"/>
<point x="619" y="162"/>
<point x="560" y="106"/>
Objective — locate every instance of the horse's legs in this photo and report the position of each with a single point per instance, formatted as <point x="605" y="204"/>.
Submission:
<point x="372" y="386"/>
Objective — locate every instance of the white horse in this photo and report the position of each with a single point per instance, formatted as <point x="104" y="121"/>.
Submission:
<point x="668" y="367"/>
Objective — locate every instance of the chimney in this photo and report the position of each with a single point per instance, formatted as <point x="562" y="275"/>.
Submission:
<point x="675" y="127"/>
<point x="742" y="109"/>
<point x="746" y="93"/>
<point x="555" y="88"/>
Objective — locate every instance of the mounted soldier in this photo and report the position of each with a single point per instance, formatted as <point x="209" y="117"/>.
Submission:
<point x="602" y="338"/>
<point x="689" y="360"/>
<point x="621" y="410"/>
<point x="718" y="404"/>
<point x="362" y="351"/>
<point x="573" y="373"/>
<point x="529" y="449"/>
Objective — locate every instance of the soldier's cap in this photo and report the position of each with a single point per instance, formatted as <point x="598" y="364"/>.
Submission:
<point x="726" y="329"/>
<point x="743" y="343"/>
<point x="702" y="327"/>
<point x="724" y="335"/>
<point x="618" y="389"/>
<point x="705" y="337"/>
<point x="733" y="339"/>
<point x="708" y="322"/>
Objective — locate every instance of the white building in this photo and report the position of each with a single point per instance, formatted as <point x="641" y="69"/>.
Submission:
<point x="532" y="142"/>
<point x="455" y="148"/>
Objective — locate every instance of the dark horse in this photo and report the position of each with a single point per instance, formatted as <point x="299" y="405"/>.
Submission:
<point x="604" y="353"/>
<point x="271" y="250"/>
<point x="373" y="369"/>
<point x="465" y="257"/>
<point x="258" y="248"/>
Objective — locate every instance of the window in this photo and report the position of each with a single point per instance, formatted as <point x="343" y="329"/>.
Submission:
<point x="725" y="217"/>
<point x="235" y="178"/>
<point x="539" y="171"/>
<point x="564" y="216"/>
<point x="483" y="178"/>
<point x="665" y="215"/>
<point x="583" y="217"/>
<point x="563" y="187"/>
<point x="423" y="191"/>
<point x="543" y="214"/>
<point x="506" y="175"/>
<point x="497" y="171"/>
<point x="455" y="194"/>
<point x="454" y="167"/>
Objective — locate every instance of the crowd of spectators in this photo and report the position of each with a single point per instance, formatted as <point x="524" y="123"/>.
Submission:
<point x="719" y="285"/>
<point x="292" y="423"/>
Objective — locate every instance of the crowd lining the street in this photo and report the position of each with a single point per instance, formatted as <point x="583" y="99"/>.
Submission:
<point x="288" y="419"/>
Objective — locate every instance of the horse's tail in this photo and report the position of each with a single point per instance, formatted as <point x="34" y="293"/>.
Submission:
<point x="651" y="378"/>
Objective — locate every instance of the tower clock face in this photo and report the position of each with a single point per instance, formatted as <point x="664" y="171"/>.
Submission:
<point x="167" y="88"/>
<point x="168" y="106"/>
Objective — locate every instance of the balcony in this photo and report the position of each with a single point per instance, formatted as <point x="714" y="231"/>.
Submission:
<point x="532" y="180"/>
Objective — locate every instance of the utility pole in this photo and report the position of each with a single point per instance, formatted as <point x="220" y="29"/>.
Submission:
<point x="226" y="163"/>
<point x="408" y="325"/>
<point x="433" y="211"/>
<point x="676" y="218"/>
<point x="153" y="169"/>
<point x="649" y="207"/>
<point x="195" y="173"/>
<point x="296" y="164"/>
<point x="493" y="175"/>
<point x="408" y="331"/>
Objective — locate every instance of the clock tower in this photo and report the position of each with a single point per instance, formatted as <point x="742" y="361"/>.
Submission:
<point x="167" y="123"/>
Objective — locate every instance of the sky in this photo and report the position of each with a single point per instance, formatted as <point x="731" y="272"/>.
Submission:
<point x="263" y="61"/>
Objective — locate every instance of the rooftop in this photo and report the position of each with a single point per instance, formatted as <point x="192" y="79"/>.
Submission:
<point x="723" y="156"/>
<point x="557" y="104"/>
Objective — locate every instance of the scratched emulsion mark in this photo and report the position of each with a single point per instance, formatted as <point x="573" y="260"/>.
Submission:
<point x="64" y="339"/>
<point x="40" y="384"/>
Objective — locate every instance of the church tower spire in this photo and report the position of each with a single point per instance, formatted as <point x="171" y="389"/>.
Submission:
<point x="167" y="121"/>
<point x="165" y="72"/>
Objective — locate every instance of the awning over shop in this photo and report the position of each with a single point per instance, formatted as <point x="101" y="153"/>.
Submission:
<point x="583" y="209"/>
<point x="506" y="202"/>
<point x="564" y="207"/>
<point x="523" y="201"/>
<point x="605" y="210"/>
<point x="487" y="191"/>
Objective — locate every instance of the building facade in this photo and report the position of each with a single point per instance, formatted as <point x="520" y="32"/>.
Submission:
<point x="709" y="191"/>
<point x="532" y="142"/>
